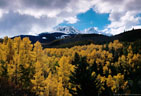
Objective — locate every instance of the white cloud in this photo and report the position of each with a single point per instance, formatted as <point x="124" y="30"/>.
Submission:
<point x="14" y="23"/>
<point x="3" y="12"/>
<point x="122" y="14"/>
<point x="137" y="27"/>
<point x="71" y="20"/>
<point x="35" y="16"/>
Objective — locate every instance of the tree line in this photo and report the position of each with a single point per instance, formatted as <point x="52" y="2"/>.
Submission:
<point x="102" y="70"/>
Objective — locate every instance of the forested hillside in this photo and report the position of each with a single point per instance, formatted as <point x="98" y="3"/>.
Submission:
<point x="27" y="69"/>
<point x="85" y="39"/>
<point x="58" y="40"/>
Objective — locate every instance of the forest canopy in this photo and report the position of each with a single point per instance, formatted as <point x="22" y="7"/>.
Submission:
<point x="102" y="70"/>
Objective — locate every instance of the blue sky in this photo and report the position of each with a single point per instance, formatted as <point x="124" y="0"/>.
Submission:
<point x="89" y="19"/>
<point x="32" y="17"/>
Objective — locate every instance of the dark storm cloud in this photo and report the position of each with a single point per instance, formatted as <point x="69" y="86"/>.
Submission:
<point x="134" y="5"/>
<point x="45" y="3"/>
<point x="15" y="24"/>
<point x="3" y="3"/>
<point x="34" y="4"/>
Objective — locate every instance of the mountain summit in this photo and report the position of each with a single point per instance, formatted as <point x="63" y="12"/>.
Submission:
<point x="94" y="30"/>
<point x="67" y="30"/>
<point x="73" y="30"/>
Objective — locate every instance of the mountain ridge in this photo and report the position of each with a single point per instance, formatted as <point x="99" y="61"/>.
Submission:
<point x="60" y="39"/>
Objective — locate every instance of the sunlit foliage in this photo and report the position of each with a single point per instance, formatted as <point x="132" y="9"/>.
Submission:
<point x="101" y="70"/>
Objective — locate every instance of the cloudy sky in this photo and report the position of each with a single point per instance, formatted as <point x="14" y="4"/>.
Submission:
<point x="36" y="16"/>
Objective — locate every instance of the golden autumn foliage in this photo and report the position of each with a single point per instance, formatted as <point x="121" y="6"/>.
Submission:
<point x="47" y="71"/>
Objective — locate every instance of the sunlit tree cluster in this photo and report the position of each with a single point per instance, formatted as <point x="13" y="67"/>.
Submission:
<point x="101" y="70"/>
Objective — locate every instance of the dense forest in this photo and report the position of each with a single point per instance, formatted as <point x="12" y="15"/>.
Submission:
<point x="27" y="69"/>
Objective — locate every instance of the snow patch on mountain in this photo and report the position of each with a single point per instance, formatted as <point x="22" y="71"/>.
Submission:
<point x="72" y="30"/>
<point x="67" y="30"/>
<point x="94" y="30"/>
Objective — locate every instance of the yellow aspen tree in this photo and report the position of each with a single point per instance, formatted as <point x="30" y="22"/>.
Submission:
<point x="5" y="40"/>
<point x="1" y="58"/>
<point x="110" y="81"/>
<point x="10" y="61"/>
<point x="7" y="57"/>
<point x="120" y="83"/>
<point x="38" y="78"/>
<point x="17" y="49"/>
<point x="26" y="63"/>
<point x="60" y="89"/>
<point x="48" y="84"/>
<point x="38" y="51"/>
<point x="40" y="57"/>
<point x="51" y="83"/>
<point x="25" y="53"/>
<point x="3" y="55"/>
<point x="116" y="83"/>
<point x="110" y="46"/>
<point x="117" y="45"/>
<point x="102" y="80"/>
<point x="38" y="81"/>
<point x="66" y="92"/>
<point x="64" y="70"/>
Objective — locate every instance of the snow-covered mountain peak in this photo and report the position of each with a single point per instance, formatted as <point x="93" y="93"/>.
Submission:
<point x="72" y="30"/>
<point x="67" y="30"/>
<point x="92" y="30"/>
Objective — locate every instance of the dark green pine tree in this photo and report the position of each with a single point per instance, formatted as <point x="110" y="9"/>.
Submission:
<point x="82" y="81"/>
